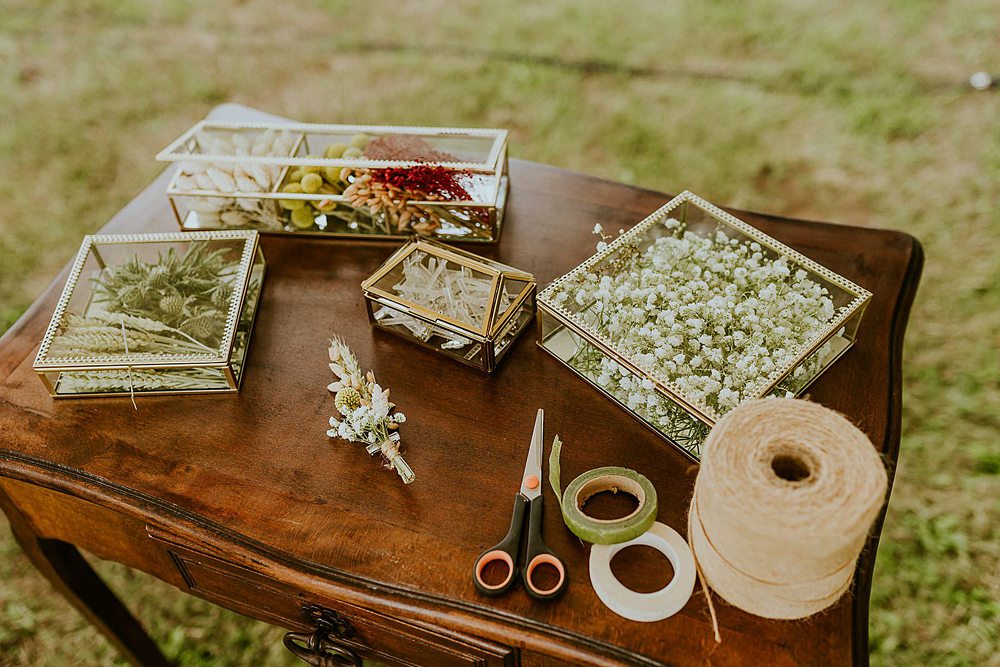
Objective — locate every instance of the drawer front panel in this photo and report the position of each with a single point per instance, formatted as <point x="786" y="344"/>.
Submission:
<point x="375" y="636"/>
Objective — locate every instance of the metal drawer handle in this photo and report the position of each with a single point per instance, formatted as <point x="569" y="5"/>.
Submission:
<point x="322" y="647"/>
<point x="318" y="649"/>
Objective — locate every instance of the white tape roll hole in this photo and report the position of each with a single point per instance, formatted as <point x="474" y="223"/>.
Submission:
<point x="655" y="606"/>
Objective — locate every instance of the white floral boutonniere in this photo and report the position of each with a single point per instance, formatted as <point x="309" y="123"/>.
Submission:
<point x="365" y="409"/>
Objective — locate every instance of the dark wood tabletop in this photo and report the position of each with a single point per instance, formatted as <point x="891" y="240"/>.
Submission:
<point x="253" y="475"/>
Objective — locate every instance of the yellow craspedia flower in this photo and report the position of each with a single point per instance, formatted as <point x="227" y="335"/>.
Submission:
<point x="347" y="399"/>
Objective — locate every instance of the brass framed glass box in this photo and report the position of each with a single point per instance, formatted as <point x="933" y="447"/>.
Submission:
<point x="154" y="314"/>
<point x="341" y="180"/>
<point x="692" y="312"/>
<point x="465" y="306"/>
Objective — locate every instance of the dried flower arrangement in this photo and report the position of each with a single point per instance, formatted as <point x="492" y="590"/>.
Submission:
<point x="711" y="313"/>
<point x="340" y="180"/>
<point x="365" y="409"/>
<point x="381" y="199"/>
<point x="174" y="305"/>
<point x="236" y="177"/>
<point x="189" y="294"/>
<point x="680" y="325"/>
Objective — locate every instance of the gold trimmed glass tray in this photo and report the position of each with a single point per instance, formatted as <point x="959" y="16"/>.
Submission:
<point x="464" y="306"/>
<point x="154" y="314"/>
<point x="681" y="397"/>
<point x="341" y="180"/>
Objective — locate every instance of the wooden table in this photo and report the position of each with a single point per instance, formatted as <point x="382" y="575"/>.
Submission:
<point x="244" y="501"/>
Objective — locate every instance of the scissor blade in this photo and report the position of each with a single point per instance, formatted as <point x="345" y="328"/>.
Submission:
<point x="531" y="482"/>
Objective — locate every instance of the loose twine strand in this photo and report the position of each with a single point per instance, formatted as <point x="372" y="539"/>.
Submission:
<point x="783" y="503"/>
<point x="131" y="383"/>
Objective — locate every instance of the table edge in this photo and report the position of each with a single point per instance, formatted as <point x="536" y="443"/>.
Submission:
<point x="98" y="490"/>
<point x="865" y="570"/>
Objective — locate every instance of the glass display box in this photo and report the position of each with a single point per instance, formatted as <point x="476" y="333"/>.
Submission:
<point x="692" y="312"/>
<point x="465" y="306"/>
<point x="154" y="314"/>
<point x="341" y="180"/>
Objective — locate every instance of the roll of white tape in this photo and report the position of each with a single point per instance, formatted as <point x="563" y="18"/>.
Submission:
<point x="634" y="606"/>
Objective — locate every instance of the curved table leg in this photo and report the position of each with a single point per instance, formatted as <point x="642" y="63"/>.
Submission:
<point x="72" y="576"/>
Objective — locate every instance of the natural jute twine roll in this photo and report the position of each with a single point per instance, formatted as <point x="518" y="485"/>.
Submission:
<point x="783" y="503"/>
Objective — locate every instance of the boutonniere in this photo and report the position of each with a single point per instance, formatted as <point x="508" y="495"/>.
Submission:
<point x="365" y="409"/>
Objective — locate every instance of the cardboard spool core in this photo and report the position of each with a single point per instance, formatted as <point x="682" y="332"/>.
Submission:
<point x="642" y="568"/>
<point x="614" y="484"/>
<point x="790" y="467"/>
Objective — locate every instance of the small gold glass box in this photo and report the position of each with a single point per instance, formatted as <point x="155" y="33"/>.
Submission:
<point x="677" y="373"/>
<point x="341" y="180"/>
<point x="465" y="306"/>
<point x="154" y="314"/>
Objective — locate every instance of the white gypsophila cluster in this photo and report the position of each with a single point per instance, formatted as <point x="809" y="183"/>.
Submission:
<point x="649" y="404"/>
<point x="714" y="315"/>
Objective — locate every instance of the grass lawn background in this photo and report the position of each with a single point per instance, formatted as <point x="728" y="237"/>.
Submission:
<point x="856" y="112"/>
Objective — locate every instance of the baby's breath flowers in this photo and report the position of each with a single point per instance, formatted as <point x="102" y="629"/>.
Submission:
<point x="711" y="314"/>
<point x="365" y="409"/>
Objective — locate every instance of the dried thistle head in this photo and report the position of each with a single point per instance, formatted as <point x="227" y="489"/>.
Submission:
<point x="159" y="277"/>
<point x="132" y="296"/>
<point x="221" y="296"/>
<point x="183" y="292"/>
<point x="205" y="327"/>
<point x="172" y="305"/>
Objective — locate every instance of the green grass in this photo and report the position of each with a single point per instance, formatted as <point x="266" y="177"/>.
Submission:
<point x="857" y="114"/>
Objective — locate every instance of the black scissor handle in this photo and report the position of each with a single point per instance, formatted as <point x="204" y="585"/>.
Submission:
<point x="537" y="554"/>
<point x="506" y="551"/>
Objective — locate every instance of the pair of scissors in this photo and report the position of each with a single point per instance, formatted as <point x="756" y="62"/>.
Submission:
<point x="527" y="503"/>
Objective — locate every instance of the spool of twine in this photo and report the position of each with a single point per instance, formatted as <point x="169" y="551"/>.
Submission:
<point x="782" y="506"/>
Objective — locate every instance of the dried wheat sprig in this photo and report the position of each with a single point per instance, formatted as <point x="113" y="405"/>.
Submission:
<point x="109" y="381"/>
<point x="345" y="366"/>
<point x="100" y="335"/>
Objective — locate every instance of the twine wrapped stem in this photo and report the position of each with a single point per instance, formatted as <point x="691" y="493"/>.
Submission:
<point x="389" y="448"/>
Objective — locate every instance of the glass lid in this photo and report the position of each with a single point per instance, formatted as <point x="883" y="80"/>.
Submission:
<point x="357" y="146"/>
<point x="151" y="298"/>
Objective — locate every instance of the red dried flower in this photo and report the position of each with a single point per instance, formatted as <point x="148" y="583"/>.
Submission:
<point x="435" y="181"/>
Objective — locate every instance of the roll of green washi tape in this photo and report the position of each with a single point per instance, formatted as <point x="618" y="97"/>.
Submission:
<point x="609" y="531"/>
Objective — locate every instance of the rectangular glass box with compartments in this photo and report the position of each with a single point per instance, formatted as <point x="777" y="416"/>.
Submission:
<point x="366" y="181"/>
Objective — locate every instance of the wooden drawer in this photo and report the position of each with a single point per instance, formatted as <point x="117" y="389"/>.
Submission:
<point x="373" y="636"/>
